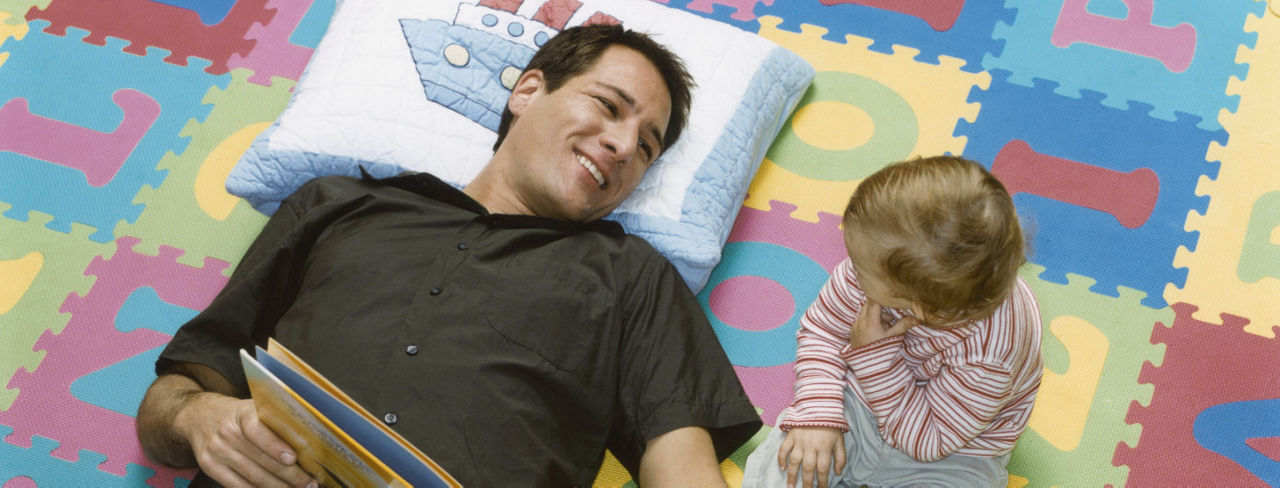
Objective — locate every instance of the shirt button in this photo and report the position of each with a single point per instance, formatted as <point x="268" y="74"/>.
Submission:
<point x="411" y="349"/>
<point x="435" y="291"/>
<point x="462" y="246"/>
<point x="390" y="418"/>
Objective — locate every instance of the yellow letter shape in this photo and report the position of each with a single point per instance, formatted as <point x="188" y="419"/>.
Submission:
<point x="210" y="190"/>
<point x="1062" y="405"/>
<point x="18" y="275"/>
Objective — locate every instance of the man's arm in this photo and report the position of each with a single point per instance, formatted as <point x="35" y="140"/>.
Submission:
<point x="682" y="457"/>
<point x="195" y="418"/>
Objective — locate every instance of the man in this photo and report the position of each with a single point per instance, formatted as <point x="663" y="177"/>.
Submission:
<point x="503" y="329"/>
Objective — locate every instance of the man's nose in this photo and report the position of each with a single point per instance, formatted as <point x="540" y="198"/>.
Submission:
<point x="621" y="140"/>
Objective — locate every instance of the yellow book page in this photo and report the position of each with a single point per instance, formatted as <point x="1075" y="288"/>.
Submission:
<point x="288" y="358"/>
<point x="323" y="450"/>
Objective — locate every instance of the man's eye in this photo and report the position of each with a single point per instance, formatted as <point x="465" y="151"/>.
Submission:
<point x="648" y="151"/>
<point x="613" y="109"/>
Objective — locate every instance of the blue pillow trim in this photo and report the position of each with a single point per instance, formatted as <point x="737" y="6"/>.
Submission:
<point x="712" y="202"/>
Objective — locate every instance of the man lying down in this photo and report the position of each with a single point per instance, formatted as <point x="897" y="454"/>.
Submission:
<point x="504" y="329"/>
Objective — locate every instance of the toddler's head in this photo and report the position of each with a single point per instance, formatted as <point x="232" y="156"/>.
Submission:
<point x="935" y="235"/>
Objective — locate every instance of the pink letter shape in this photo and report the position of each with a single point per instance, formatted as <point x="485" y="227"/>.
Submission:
<point x="99" y="155"/>
<point x="1174" y="46"/>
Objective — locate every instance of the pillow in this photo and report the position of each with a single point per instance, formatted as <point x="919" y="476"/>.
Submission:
<point x="399" y="85"/>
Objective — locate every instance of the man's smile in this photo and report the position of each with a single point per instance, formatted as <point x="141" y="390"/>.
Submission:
<point x="591" y="167"/>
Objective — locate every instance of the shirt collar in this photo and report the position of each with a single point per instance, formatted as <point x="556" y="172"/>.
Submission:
<point x="430" y="186"/>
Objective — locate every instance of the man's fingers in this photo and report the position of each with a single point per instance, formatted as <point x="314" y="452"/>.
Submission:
<point x="226" y="476"/>
<point x="267" y="441"/>
<point x="256" y="473"/>
<point x="230" y="466"/>
<point x="275" y="454"/>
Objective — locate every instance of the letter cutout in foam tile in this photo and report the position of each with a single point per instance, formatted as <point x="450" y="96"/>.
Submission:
<point x="1174" y="46"/>
<point x="1083" y="133"/>
<point x="91" y="342"/>
<point x="1238" y="203"/>
<point x="912" y="108"/>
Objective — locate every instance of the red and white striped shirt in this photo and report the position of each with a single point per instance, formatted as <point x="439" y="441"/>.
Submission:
<point x="966" y="390"/>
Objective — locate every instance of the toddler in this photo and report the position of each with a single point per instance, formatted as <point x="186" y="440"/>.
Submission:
<point x="919" y="362"/>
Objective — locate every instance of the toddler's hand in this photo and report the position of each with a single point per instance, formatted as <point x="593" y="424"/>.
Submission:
<point x="872" y="325"/>
<point x="808" y="452"/>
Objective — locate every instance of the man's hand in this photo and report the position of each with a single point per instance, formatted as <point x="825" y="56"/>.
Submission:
<point x="195" y="417"/>
<point x="808" y="453"/>
<point x="872" y="325"/>
<point x="233" y="447"/>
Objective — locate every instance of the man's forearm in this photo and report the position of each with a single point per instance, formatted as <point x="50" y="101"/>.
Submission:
<point x="160" y="440"/>
<point x="682" y="457"/>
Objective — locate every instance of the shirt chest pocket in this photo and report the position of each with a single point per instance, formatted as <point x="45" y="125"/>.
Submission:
<point x="558" y="318"/>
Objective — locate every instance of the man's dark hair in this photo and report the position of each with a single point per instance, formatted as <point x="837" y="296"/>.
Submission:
<point x="576" y="49"/>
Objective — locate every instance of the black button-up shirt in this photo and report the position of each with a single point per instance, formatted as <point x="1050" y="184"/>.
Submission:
<point x="511" y="349"/>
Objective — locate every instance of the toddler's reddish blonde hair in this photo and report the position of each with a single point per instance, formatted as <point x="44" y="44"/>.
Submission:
<point x="946" y="234"/>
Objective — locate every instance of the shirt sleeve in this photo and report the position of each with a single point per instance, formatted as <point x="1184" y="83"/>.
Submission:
<point x="673" y="371"/>
<point x="245" y="311"/>
<point x="820" y="369"/>
<point x="928" y="418"/>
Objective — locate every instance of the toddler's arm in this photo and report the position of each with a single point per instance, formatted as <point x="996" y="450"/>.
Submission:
<point x="820" y="371"/>
<point x="928" y="418"/>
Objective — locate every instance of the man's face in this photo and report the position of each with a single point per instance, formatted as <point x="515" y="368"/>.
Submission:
<point x="578" y="152"/>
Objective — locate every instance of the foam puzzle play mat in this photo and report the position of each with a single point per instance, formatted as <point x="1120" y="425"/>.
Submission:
<point x="1139" y="139"/>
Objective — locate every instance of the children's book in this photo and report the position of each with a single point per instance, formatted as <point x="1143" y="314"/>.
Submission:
<point x="337" y="440"/>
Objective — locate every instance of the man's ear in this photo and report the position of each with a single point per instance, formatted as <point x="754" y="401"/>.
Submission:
<point x="527" y="88"/>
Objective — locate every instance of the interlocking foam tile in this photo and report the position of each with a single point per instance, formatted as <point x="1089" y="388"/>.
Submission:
<point x="1235" y="267"/>
<point x="1094" y="348"/>
<point x="313" y="26"/>
<point x="274" y="54"/>
<point x="1088" y="180"/>
<point x="864" y="110"/>
<point x="40" y="268"/>
<point x="210" y="11"/>
<point x="935" y="30"/>
<point x="1184" y="418"/>
<point x="214" y="223"/>
<point x="105" y="96"/>
<point x="91" y="342"/>
<point x="744" y="10"/>
<point x="146" y="24"/>
<point x="15" y="30"/>
<point x="1246" y="432"/>
<point x="116" y="387"/>
<point x="613" y="475"/>
<point x="773" y="268"/>
<point x="1176" y="56"/>
<point x="36" y="466"/>
<point x="16" y="8"/>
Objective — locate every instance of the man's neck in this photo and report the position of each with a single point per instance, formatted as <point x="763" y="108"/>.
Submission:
<point x="488" y="189"/>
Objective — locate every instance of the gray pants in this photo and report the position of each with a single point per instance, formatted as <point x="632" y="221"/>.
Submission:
<point x="872" y="462"/>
